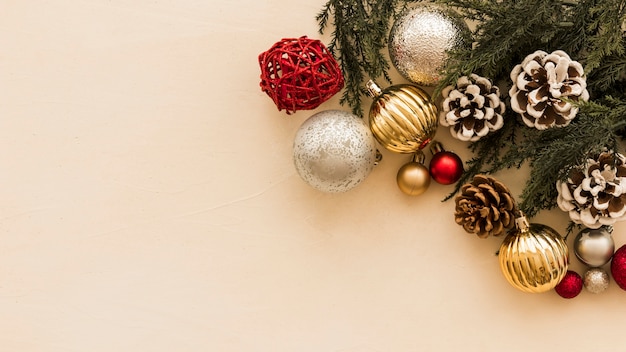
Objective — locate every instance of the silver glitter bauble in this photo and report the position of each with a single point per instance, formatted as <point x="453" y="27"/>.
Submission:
<point x="596" y="280"/>
<point x="419" y="39"/>
<point x="334" y="151"/>
<point x="594" y="247"/>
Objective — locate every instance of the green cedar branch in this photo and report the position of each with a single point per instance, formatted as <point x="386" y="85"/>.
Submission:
<point x="360" y="35"/>
<point x="505" y="32"/>
<point x="591" y="32"/>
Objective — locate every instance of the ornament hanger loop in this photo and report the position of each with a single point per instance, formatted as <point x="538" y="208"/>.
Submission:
<point x="436" y="147"/>
<point x="418" y="157"/>
<point x="520" y="221"/>
<point x="379" y="157"/>
<point x="373" y="90"/>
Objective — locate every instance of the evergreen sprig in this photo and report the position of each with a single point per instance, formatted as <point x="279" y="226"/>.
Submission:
<point x="550" y="154"/>
<point x="505" y="32"/>
<point x="360" y="34"/>
<point x="553" y="153"/>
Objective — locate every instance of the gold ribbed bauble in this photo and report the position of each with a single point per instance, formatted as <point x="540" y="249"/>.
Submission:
<point x="414" y="178"/>
<point x="402" y="117"/>
<point x="533" y="258"/>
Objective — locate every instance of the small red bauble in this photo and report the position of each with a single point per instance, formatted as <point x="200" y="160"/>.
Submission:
<point x="445" y="167"/>
<point x="570" y="286"/>
<point x="618" y="267"/>
<point x="299" y="74"/>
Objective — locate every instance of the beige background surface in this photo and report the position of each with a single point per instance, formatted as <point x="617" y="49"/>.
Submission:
<point x="148" y="202"/>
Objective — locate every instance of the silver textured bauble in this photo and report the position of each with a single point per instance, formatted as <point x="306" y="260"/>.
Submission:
<point x="594" y="247"/>
<point x="596" y="280"/>
<point x="334" y="151"/>
<point x="419" y="39"/>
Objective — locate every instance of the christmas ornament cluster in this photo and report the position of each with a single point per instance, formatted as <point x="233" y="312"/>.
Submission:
<point x="332" y="153"/>
<point x="334" y="150"/>
<point x="534" y="257"/>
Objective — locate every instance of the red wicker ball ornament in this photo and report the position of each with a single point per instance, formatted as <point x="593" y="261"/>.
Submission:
<point x="299" y="74"/>
<point x="570" y="286"/>
<point x="618" y="267"/>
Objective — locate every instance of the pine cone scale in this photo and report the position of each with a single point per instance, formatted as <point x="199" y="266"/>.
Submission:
<point x="492" y="192"/>
<point x="496" y="213"/>
<point x="498" y="227"/>
<point x="615" y="205"/>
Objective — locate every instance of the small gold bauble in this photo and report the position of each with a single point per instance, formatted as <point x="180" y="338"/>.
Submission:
<point x="413" y="178"/>
<point x="533" y="258"/>
<point x="402" y="118"/>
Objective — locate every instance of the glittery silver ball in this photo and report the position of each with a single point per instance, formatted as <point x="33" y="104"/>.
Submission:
<point x="419" y="39"/>
<point x="334" y="151"/>
<point x="596" y="280"/>
<point x="594" y="247"/>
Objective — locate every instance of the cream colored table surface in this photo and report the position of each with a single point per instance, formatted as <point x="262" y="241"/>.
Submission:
<point x="148" y="202"/>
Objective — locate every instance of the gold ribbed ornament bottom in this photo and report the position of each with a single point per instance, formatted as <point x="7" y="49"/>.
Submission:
<point x="533" y="257"/>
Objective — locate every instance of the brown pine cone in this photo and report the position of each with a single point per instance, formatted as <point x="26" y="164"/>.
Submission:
<point x="595" y="194"/>
<point x="539" y="83"/>
<point x="472" y="108"/>
<point x="485" y="207"/>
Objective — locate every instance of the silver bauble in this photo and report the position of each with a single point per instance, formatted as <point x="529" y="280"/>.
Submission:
<point x="596" y="280"/>
<point x="334" y="151"/>
<point x="594" y="247"/>
<point x="419" y="39"/>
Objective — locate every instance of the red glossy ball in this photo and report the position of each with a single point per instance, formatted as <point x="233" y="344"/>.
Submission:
<point x="446" y="167"/>
<point x="570" y="286"/>
<point x="618" y="267"/>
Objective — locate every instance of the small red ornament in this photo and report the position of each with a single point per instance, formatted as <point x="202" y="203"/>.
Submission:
<point x="618" y="267"/>
<point x="299" y="74"/>
<point x="445" y="167"/>
<point x="570" y="286"/>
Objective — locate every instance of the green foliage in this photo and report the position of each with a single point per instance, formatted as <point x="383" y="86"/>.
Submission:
<point x="360" y="34"/>
<point x="505" y="32"/>
<point x="552" y="153"/>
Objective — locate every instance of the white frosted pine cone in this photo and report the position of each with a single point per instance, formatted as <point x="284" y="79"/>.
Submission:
<point x="539" y="83"/>
<point x="471" y="108"/>
<point x="595" y="195"/>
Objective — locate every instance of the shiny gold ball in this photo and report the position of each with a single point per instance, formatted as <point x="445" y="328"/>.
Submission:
<point x="413" y="178"/>
<point x="402" y="118"/>
<point x="420" y="39"/>
<point x="533" y="258"/>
